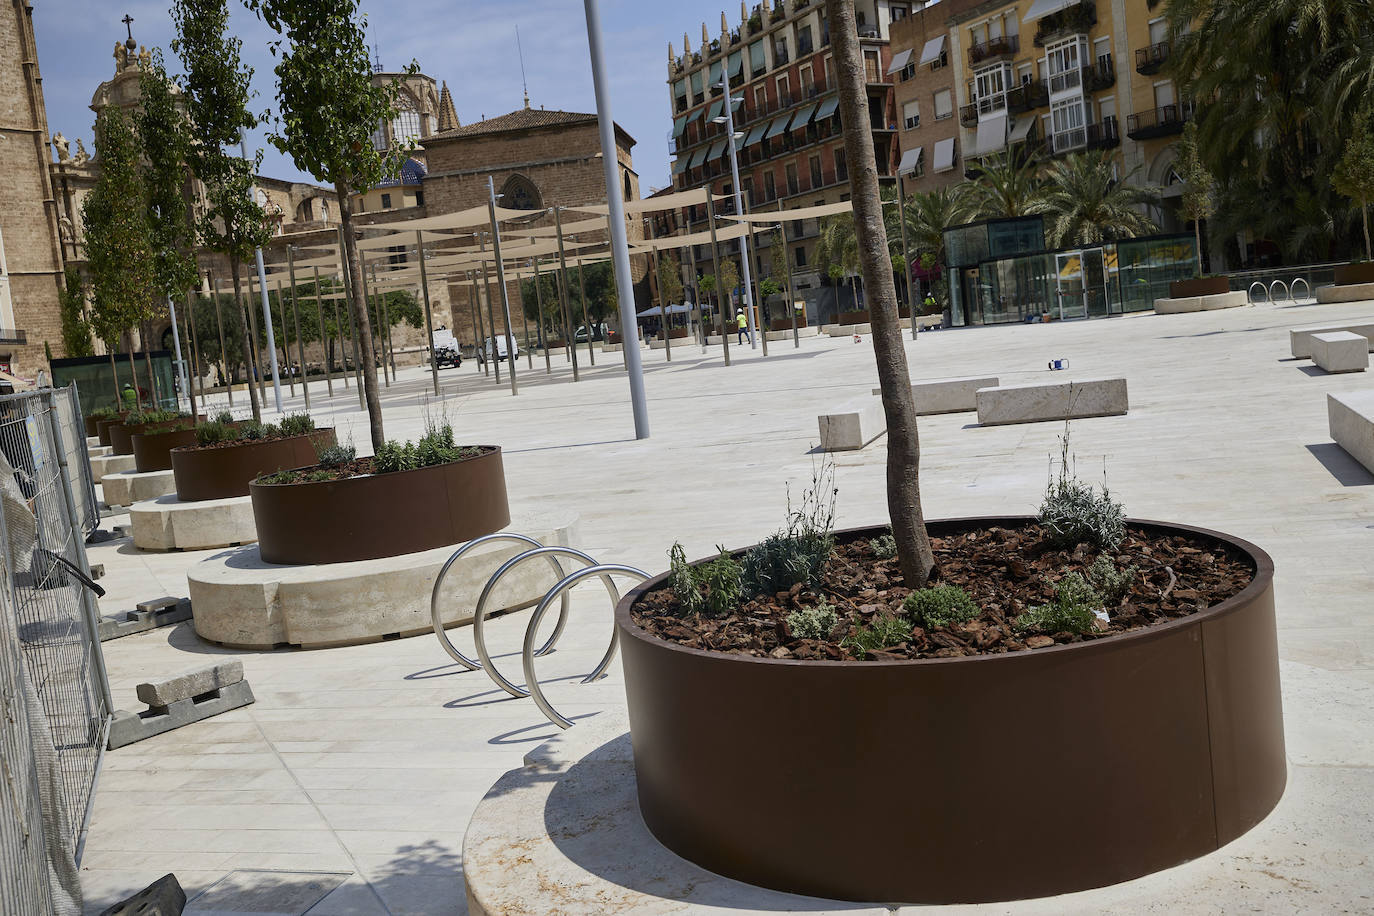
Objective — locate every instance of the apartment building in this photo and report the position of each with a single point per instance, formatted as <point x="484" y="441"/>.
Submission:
<point x="790" y="147"/>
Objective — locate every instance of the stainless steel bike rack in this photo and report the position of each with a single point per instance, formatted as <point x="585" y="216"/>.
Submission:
<point x="1250" y="293"/>
<point x="1287" y="294"/>
<point x="1307" y="286"/>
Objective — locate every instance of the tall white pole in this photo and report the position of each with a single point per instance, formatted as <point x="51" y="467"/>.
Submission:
<point x="620" y="249"/>
<point x="739" y="209"/>
<point x="266" y="309"/>
<point x="176" y="342"/>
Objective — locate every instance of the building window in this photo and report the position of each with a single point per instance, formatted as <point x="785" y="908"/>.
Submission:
<point x="907" y="72"/>
<point x="941" y="61"/>
<point x="911" y="115"/>
<point x="405" y="127"/>
<point x="386" y="201"/>
<point x="899" y="11"/>
<point x="807" y="81"/>
<point x="990" y="88"/>
<point x="379" y="137"/>
<point x="944" y="104"/>
<point x="792" y="187"/>
<point x="419" y="198"/>
<point x="841" y="165"/>
<point x="519" y="193"/>
<point x="760" y="99"/>
<point x="784" y="96"/>
<point x="873" y="68"/>
<point x="769" y="186"/>
<point x="816" y="171"/>
<point x="801" y="257"/>
<point x="804" y="45"/>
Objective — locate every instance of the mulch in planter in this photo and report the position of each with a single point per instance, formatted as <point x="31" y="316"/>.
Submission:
<point x="358" y="467"/>
<point x="1005" y="571"/>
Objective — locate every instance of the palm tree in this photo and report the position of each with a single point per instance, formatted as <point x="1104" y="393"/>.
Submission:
<point x="1086" y="204"/>
<point x="837" y="251"/>
<point x="1007" y="186"/>
<point x="928" y="214"/>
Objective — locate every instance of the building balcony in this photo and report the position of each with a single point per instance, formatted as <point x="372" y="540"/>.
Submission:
<point x="12" y="336"/>
<point x="1151" y="60"/>
<point x="1158" y="122"/>
<point x="1026" y="96"/>
<point x="994" y="49"/>
<point x="968" y="115"/>
<point x="1101" y="75"/>
<point x="1072" y="20"/>
<point x="1102" y="135"/>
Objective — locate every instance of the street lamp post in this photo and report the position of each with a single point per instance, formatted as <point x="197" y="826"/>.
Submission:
<point x="266" y="309"/>
<point x="729" y="120"/>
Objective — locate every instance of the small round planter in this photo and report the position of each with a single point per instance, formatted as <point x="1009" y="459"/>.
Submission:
<point x="102" y="429"/>
<point x="965" y="780"/>
<point x="219" y="473"/>
<point x="89" y="423"/>
<point x="120" y="443"/>
<point x="381" y="515"/>
<point x="1352" y="274"/>
<point x="1199" y="286"/>
<point x="152" y="448"/>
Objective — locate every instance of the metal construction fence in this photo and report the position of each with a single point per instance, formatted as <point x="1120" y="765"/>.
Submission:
<point x="53" y="685"/>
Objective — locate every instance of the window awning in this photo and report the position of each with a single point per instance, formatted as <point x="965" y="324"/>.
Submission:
<point x="679" y="125"/>
<point x="694" y="115"/>
<point x="716" y="108"/>
<point x="717" y="149"/>
<point x="992" y="135"/>
<point x="756" y="134"/>
<point x="756" y="58"/>
<point x="699" y="157"/>
<point x="1042" y="8"/>
<point x="679" y="165"/>
<point x="1021" y="129"/>
<point x="944" y="154"/>
<point x="802" y="117"/>
<point x="736" y="64"/>
<point x="932" y="50"/>
<point x="778" y="126"/>
<point x="715" y="75"/>
<point x="827" y="108"/>
<point x="910" y="159"/>
<point x="899" y="61"/>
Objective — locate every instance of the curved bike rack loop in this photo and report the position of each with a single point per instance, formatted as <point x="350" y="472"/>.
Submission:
<point x="1250" y="293"/>
<point x="1306" y="286"/>
<point x="1287" y="293"/>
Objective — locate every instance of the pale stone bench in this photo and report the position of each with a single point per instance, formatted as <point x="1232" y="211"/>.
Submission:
<point x="110" y="464"/>
<point x="853" y="426"/>
<point x="1034" y="403"/>
<point x="948" y="395"/>
<point x="1349" y="292"/>
<point x="1340" y="351"/>
<point x="786" y="333"/>
<point x="1300" y="339"/>
<point x="848" y="330"/>
<point x="1231" y="300"/>
<point x="180" y="700"/>
<point x="1351" y="419"/>
<point x="129" y="487"/>
<point x="167" y="523"/>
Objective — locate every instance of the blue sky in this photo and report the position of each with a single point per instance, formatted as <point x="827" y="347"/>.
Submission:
<point x="469" y="43"/>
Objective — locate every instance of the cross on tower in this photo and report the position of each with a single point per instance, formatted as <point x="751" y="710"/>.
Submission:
<point x="129" y="28"/>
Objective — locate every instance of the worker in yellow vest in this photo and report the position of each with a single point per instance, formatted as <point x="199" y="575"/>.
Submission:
<point x="742" y="324"/>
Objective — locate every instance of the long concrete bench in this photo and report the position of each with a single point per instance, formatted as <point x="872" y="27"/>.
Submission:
<point x="1347" y="292"/>
<point x="1231" y="300"/>
<point x="1351" y="419"/>
<point x="1340" y="351"/>
<point x="1300" y="339"/>
<point x="948" y="395"/>
<point x="128" y="487"/>
<point x="853" y="426"/>
<point x="1034" y="403"/>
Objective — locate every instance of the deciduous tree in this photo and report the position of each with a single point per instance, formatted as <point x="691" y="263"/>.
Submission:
<point x="1353" y="176"/>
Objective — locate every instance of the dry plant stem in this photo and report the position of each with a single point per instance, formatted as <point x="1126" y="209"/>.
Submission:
<point x="904" y="448"/>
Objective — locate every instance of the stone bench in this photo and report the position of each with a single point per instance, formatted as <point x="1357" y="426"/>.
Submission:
<point x="853" y="426"/>
<point x="1346" y="292"/>
<point x="128" y="487"/>
<point x="786" y="333"/>
<point x="1231" y="300"/>
<point x="167" y="523"/>
<point x="1351" y="419"/>
<point x="187" y="697"/>
<point x="1034" y="403"/>
<point x="848" y="330"/>
<point x="110" y="464"/>
<point x="1340" y="351"/>
<point x="948" y="395"/>
<point x="1300" y="339"/>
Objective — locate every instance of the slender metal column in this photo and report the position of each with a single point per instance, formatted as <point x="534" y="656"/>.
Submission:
<point x="477" y="326"/>
<point x="715" y="262"/>
<point x="223" y="359"/>
<point x="491" y="321"/>
<point x="181" y="363"/>
<point x="296" y="311"/>
<point x="662" y="299"/>
<point x="750" y="252"/>
<point x="787" y="262"/>
<point x="266" y="310"/>
<point x="501" y="281"/>
<point x="563" y="296"/>
<point x="539" y="305"/>
<point x="744" y="243"/>
<point x="429" y="313"/>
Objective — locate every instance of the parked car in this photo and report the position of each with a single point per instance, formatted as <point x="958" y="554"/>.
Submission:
<point x="497" y="346"/>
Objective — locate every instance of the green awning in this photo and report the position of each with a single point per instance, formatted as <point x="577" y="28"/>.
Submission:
<point x="718" y="149"/>
<point x="756" y="58"/>
<point x="736" y="64"/>
<point x="801" y="117"/>
<point x="828" y="108"/>
<point x="778" y="126"/>
<point x="694" y="115"/>
<point x="698" y="158"/>
<point x="679" y="125"/>
<point x="716" y="108"/>
<point x="679" y="165"/>
<point x="715" y="75"/>
<point x="756" y="134"/>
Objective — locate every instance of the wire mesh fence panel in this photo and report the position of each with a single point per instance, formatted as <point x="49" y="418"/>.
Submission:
<point x="77" y="465"/>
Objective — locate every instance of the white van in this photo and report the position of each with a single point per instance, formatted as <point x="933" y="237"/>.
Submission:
<point x="497" y="345"/>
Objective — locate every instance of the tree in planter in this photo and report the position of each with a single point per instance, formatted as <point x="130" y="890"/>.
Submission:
<point x="76" y="330"/>
<point x="669" y="283"/>
<point x="119" y="253"/>
<point x="928" y="214"/>
<point x="904" y="451"/>
<point x="1353" y="176"/>
<point x="215" y="88"/>
<point x="1199" y="200"/>
<point x="329" y="109"/>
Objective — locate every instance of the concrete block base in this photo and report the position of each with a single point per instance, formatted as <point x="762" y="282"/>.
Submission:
<point x="110" y="464"/>
<point x="853" y="426"/>
<point x="98" y="451"/>
<point x="1233" y="299"/>
<point x="93" y="441"/>
<point x="1346" y="292"/>
<point x="128" y="487"/>
<point x="167" y="523"/>
<point x="143" y="619"/>
<point x="811" y="331"/>
<point x="848" y="330"/>
<point x="1034" y="403"/>
<point x="128" y="727"/>
<point x="1340" y="351"/>
<point x="243" y="602"/>
<point x="1300" y="339"/>
<point x="949" y="395"/>
<point x="1351" y="420"/>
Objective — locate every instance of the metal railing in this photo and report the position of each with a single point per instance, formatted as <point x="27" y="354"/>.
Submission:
<point x="993" y="47"/>
<point x="1157" y="122"/>
<point x="1151" y="60"/>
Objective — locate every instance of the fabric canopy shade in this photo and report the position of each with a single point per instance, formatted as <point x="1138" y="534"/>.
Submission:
<point x="899" y="61"/>
<point x="755" y="134"/>
<point x="692" y="116"/>
<point x="463" y="219"/>
<point x="778" y="126"/>
<point x="800" y="119"/>
<point x="717" y="107"/>
<point x="910" y="159"/>
<point x="1022" y="128"/>
<point x="679" y="125"/>
<point x="992" y="135"/>
<point x="654" y="204"/>
<point x="1042" y="8"/>
<point x="577" y="228"/>
<point x="770" y="216"/>
<point x="827" y="108"/>
<point x="669" y="242"/>
<point x="944" y="154"/>
<point x="932" y="50"/>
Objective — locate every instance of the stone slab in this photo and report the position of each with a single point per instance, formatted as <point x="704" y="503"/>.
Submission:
<point x="1038" y="402"/>
<point x="786" y="334"/>
<point x="164" y="897"/>
<point x="563" y="834"/>
<point x="128" y="487"/>
<point x="191" y="683"/>
<point x="848" y="330"/>
<point x="1233" y="299"/>
<point x="1300" y="339"/>
<point x="93" y="440"/>
<point x="852" y="426"/>
<point x="948" y="395"/>
<point x="146" y="617"/>
<point x="167" y="523"/>
<point x="1350" y="417"/>
<point x="243" y="602"/>
<point x="1345" y="292"/>
<point x="110" y="464"/>
<point x="128" y="727"/>
<point x="99" y="451"/>
<point x="1340" y="351"/>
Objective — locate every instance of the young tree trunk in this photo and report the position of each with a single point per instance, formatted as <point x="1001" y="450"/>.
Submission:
<point x="360" y="318"/>
<point x="903" y="449"/>
<point x="1197" y="237"/>
<point x="145" y="331"/>
<point x="114" y="371"/>
<point x="243" y="331"/>
<point x="133" y="374"/>
<point x="1364" y="216"/>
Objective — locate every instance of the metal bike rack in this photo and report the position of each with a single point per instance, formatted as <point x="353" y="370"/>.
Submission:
<point x="1287" y="294"/>
<point x="529" y="652"/>
<point x="1307" y="286"/>
<point x="1250" y="293"/>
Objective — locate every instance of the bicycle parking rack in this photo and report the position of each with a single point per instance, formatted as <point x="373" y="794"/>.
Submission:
<point x="1290" y="290"/>
<point x="1306" y="285"/>
<point x="1250" y="293"/>
<point x="1287" y="294"/>
<point x="529" y="652"/>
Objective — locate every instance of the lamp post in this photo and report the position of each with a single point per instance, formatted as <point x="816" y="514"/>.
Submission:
<point x="266" y="309"/>
<point x="728" y="119"/>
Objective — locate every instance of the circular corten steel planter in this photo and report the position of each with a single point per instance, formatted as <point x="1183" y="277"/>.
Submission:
<point x="89" y="423"/>
<point x="102" y="429"/>
<point x="218" y="473"/>
<point x="381" y="515"/>
<point x="964" y="780"/>
<point x="1349" y="274"/>
<point x="153" y="448"/>
<point x="120" y="442"/>
<point x="1199" y="286"/>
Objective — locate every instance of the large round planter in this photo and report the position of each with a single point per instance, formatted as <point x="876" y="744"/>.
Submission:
<point x="861" y="316"/>
<point x="965" y="780"/>
<point x="1199" y="286"/>
<point x="218" y="473"/>
<point x="120" y="441"/>
<point x="102" y="429"/>
<point x="1352" y="274"/>
<point x="381" y="515"/>
<point x="153" y="449"/>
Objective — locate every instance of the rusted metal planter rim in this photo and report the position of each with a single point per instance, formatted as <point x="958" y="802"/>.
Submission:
<point x="1262" y="580"/>
<point x="259" y="481"/>
<point x="247" y="442"/>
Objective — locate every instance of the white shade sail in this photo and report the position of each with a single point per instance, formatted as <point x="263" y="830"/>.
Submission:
<point x="932" y="50"/>
<point x="772" y="216"/>
<point x="463" y="219"/>
<point x="653" y="204"/>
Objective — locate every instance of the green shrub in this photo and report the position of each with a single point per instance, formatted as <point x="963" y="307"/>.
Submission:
<point x="711" y="588"/>
<point x="798" y="554"/>
<point x="104" y="413"/>
<point x="224" y="417"/>
<point x="252" y="431"/>
<point x="332" y="456"/>
<point x="884" y="631"/>
<point x="883" y="547"/>
<point x="271" y="431"/>
<point x="940" y="606"/>
<point x="215" y="433"/>
<point x="1074" y="513"/>
<point x="279" y="477"/>
<point x="392" y="457"/>
<point x="1071" y="611"/>
<point x="813" y="622"/>
<point x="433" y="448"/>
<point x="297" y="424"/>
<point x="1109" y="582"/>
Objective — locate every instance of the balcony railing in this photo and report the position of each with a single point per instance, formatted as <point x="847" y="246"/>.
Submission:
<point x="1072" y="20"/>
<point x="1102" y="135"/>
<point x="1069" y="79"/>
<point x="12" y="336"/>
<point x="1151" y="60"/>
<point x="993" y="48"/>
<point x="1158" y="122"/>
<point x="968" y="115"/>
<point x="1022" y="98"/>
